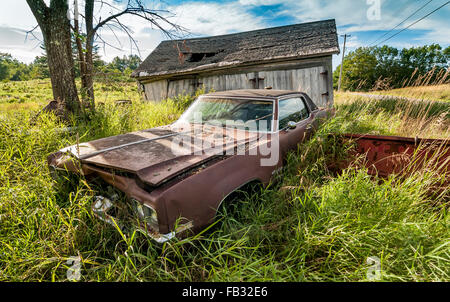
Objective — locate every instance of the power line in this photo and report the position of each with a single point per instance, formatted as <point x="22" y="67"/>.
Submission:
<point x="414" y="22"/>
<point x="386" y="33"/>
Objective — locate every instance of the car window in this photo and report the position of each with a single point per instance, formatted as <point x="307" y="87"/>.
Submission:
<point x="249" y="114"/>
<point x="291" y="110"/>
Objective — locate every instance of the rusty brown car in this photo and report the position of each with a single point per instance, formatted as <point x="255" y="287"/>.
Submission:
<point x="173" y="178"/>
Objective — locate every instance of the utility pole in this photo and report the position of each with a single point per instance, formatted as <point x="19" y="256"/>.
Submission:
<point x="342" y="62"/>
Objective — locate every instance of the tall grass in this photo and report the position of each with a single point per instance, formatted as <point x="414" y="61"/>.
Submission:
<point x="433" y="85"/>
<point x="436" y="93"/>
<point x="391" y="116"/>
<point x="309" y="225"/>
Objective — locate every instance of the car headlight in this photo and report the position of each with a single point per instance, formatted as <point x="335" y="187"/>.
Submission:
<point x="147" y="214"/>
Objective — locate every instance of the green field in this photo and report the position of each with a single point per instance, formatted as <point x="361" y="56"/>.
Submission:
<point x="34" y="94"/>
<point x="324" y="228"/>
<point x="432" y="92"/>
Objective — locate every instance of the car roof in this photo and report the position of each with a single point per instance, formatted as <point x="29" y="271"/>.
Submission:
<point x="259" y="93"/>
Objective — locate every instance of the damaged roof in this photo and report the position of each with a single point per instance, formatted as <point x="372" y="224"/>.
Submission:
<point x="258" y="46"/>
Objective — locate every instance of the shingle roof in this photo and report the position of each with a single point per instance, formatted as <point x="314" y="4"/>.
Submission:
<point x="209" y="53"/>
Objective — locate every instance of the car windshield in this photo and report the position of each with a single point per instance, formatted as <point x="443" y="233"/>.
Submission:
<point x="253" y="115"/>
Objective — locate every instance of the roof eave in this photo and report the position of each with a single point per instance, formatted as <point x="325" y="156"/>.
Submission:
<point x="223" y="66"/>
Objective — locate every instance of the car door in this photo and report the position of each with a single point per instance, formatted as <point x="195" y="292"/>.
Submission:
<point x="293" y="111"/>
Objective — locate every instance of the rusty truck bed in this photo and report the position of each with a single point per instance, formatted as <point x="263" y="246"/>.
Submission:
<point x="385" y="155"/>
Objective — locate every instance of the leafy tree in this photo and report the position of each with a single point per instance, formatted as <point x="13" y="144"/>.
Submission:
<point x="13" y="70"/>
<point x="366" y="67"/>
<point x="4" y="66"/>
<point x="446" y="53"/>
<point x="130" y="62"/>
<point x="40" y="68"/>
<point x="358" y="70"/>
<point x="423" y="58"/>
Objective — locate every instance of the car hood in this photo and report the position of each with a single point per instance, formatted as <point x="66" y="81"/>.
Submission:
<point x="158" y="154"/>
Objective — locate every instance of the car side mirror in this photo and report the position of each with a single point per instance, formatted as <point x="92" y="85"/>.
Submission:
<point x="291" y="125"/>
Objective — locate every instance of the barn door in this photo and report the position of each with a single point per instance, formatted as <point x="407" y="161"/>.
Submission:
<point x="314" y="82"/>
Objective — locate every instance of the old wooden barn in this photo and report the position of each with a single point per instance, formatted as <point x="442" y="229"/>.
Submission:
<point x="294" y="57"/>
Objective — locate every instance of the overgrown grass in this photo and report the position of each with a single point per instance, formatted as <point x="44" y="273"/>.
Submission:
<point x="34" y="94"/>
<point x="394" y="116"/>
<point x="310" y="225"/>
<point x="432" y="92"/>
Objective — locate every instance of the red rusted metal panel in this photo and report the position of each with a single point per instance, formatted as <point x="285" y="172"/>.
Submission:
<point x="385" y="155"/>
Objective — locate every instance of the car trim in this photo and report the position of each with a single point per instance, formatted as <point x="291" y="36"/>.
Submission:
<point x="156" y="236"/>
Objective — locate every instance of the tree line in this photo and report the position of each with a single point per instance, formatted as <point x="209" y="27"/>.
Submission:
<point x="12" y="69"/>
<point x="386" y="67"/>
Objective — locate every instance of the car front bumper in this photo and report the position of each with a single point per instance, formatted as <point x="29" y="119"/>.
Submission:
<point x="103" y="205"/>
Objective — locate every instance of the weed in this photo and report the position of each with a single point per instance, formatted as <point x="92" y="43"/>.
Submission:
<point x="323" y="228"/>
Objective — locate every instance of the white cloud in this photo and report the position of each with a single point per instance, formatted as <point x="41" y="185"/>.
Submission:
<point x="215" y="18"/>
<point x="200" y="19"/>
<point x="22" y="47"/>
<point x="260" y="2"/>
<point x="16" y="14"/>
<point x="354" y="42"/>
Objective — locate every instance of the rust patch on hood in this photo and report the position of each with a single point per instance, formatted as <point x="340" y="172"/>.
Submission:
<point x="156" y="155"/>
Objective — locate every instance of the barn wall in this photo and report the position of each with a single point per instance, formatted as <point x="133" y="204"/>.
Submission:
<point x="313" y="76"/>
<point x="156" y="91"/>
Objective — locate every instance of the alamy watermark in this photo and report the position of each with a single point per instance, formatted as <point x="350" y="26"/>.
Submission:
<point x="374" y="10"/>
<point x="374" y="271"/>
<point x="74" y="271"/>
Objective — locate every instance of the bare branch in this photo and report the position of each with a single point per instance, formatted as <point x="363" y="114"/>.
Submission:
<point x="106" y="43"/>
<point x="128" y="31"/>
<point x="155" y="17"/>
<point x="107" y="4"/>
<point x="110" y="27"/>
<point x="31" y="32"/>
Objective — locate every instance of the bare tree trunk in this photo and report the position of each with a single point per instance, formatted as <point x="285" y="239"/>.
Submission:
<point x="89" y="17"/>
<point x="55" y="27"/>
<point x="82" y="64"/>
<point x="81" y="56"/>
<point x="89" y="72"/>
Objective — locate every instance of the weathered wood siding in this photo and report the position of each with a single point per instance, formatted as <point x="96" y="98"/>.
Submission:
<point x="311" y="76"/>
<point x="314" y="81"/>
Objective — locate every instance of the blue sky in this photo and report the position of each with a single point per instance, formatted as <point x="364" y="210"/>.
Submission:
<point x="365" y="20"/>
